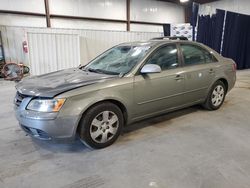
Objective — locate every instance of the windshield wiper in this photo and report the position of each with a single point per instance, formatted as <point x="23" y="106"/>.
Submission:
<point x="93" y="70"/>
<point x="102" y="71"/>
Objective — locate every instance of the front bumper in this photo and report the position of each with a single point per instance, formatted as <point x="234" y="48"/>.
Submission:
<point x="45" y="126"/>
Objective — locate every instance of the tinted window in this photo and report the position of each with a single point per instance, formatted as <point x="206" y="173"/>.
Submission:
<point x="166" y="57"/>
<point x="196" y="55"/>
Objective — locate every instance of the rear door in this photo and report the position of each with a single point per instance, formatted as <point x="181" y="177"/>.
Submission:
<point x="199" y="67"/>
<point x="156" y="92"/>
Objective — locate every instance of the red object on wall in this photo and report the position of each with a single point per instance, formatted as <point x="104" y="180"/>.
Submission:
<point x="25" y="47"/>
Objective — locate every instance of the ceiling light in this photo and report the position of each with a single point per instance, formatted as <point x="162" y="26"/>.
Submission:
<point x="184" y="1"/>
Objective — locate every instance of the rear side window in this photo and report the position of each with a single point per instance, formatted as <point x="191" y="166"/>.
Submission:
<point x="166" y="57"/>
<point x="194" y="55"/>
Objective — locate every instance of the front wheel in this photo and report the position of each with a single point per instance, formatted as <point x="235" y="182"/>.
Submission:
<point x="216" y="96"/>
<point x="101" y="125"/>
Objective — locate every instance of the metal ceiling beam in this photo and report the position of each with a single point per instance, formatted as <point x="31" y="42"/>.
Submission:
<point x="205" y="1"/>
<point x="21" y="13"/>
<point x="146" y="23"/>
<point x="86" y="18"/>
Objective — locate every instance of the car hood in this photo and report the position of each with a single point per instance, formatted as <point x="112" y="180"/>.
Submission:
<point x="52" y="84"/>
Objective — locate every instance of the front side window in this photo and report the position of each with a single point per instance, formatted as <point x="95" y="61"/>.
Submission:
<point x="118" y="60"/>
<point x="166" y="57"/>
<point x="195" y="55"/>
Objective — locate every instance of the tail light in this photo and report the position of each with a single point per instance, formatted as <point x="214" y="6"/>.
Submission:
<point x="234" y="67"/>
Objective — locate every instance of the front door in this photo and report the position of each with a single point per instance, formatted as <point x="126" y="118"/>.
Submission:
<point x="158" y="92"/>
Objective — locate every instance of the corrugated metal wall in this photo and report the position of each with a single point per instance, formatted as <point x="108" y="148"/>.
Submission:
<point x="55" y="49"/>
<point x="51" y="52"/>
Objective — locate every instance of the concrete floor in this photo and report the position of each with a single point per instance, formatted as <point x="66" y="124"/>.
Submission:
<point x="186" y="149"/>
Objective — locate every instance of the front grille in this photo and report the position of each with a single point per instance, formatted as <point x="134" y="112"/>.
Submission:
<point x="19" y="98"/>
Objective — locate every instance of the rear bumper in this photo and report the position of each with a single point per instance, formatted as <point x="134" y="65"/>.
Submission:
<point x="46" y="126"/>
<point x="232" y="81"/>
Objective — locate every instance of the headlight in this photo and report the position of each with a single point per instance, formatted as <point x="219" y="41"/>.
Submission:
<point x="46" y="105"/>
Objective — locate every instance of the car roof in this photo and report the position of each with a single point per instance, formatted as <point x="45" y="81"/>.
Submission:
<point x="154" y="42"/>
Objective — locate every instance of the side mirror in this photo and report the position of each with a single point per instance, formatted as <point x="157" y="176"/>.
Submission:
<point x="150" y="68"/>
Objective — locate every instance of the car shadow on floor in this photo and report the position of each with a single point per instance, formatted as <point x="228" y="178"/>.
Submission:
<point x="61" y="147"/>
<point x="161" y="118"/>
<point x="77" y="146"/>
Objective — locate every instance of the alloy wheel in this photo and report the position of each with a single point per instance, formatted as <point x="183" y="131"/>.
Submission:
<point x="218" y="95"/>
<point x="104" y="126"/>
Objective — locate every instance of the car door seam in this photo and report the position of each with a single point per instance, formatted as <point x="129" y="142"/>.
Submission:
<point x="162" y="98"/>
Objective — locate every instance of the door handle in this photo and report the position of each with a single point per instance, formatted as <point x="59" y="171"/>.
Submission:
<point x="179" y="77"/>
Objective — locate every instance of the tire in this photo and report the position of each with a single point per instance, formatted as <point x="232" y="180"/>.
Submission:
<point x="216" y="96"/>
<point x="26" y="69"/>
<point x="101" y="125"/>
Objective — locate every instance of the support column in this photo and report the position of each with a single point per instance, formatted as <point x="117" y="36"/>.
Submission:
<point x="128" y="14"/>
<point x="46" y="4"/>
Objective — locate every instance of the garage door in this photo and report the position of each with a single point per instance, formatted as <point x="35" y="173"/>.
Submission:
<point x="52" y="52"/>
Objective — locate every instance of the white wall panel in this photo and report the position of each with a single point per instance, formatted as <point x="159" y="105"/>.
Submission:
<point x="12" y="42"/>
<point x="156" y="11"/>
<point x="79" y="24"/>
<point x="112" y="9"/>
<point x="51" y="52"/>
<point x="146" y="28"/>
<point x="24" y="21"/>
<point x="68" y="51"/>
<point x="95" y="42"/>
<point x="240" y="6"/>
<point x="42" y="53"/>
<point x="23" y="5"/>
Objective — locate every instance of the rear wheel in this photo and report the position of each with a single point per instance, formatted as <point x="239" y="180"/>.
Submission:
<point x="101" y="125"/>
<point x="216" y="96"/>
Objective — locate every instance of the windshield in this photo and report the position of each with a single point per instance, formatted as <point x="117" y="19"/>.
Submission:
<point x="118" y="60"/>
